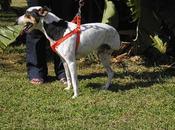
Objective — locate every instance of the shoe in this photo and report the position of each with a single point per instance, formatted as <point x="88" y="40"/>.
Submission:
<point x="62" y="78"/>
<point x="36" y="81"/>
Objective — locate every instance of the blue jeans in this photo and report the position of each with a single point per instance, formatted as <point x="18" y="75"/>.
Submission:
<point x="37" y="47"/>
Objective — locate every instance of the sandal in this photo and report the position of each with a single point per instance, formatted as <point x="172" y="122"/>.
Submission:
<point x="63" y="80"/>
<point x="36" y="81"/>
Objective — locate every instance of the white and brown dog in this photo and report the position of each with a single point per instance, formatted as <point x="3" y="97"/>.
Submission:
<point x="94" y="37"/>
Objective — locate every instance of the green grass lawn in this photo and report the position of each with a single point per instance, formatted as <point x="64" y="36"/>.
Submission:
<point x="140" y="98"/>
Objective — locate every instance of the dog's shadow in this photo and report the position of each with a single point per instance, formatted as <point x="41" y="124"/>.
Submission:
<point x="51" y="79"/>
<point x="142" y="80"/>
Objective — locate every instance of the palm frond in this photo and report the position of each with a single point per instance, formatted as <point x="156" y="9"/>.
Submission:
<point x="134" y="6"/>
<point x="8" y="34"/>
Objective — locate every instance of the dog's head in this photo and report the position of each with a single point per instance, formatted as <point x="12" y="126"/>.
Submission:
<point x="32" y="17"/>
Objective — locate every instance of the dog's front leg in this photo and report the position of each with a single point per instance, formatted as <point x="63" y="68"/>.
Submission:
<point x="73" y="72"/>
<point x="68" y="77"/>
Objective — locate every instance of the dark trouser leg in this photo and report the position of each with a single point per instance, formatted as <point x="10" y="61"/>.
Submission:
<point x="36" y="55"/>
<point x="58" y="66"/>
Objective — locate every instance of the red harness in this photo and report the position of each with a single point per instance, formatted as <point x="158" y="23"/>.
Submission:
<point x="76" y="20"/>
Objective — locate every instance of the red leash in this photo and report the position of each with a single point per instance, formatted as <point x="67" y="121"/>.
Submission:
<point x="77" y="30"/>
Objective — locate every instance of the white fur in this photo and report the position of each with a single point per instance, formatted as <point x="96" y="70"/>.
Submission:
<point x="93" y="35"/>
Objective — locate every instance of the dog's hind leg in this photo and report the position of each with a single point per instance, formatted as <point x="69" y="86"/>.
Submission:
<point x="105" y="56"/>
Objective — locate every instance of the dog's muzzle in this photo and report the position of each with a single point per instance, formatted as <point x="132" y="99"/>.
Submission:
<point x="27" y="27"/>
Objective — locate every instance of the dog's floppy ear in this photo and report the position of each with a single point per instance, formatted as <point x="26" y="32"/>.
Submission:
<point x="43" y="11"/>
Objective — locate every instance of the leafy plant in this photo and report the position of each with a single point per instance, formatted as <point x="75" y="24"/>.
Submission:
<point x="134" y="6"/>
<point x="8" y="34"/>
<point x="159" y="44"/>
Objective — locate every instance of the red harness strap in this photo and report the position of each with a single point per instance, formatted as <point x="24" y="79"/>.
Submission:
<point x="77" y="20"/>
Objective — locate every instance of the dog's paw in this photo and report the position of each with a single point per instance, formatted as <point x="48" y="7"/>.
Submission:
<point x="104" y="87"/>
<point x="75" y="96"/>
<point x="67" y="88"/>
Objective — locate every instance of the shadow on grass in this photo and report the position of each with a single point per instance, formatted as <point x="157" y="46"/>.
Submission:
<point x="90" y="76"/>
<point x="143" y="80"/>
<point x="11" y="63"/>
<point x="50" y="79"/>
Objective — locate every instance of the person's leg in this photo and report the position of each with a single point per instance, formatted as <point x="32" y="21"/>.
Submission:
<point x="36" y="56"/>
<point x="31" y="3"/>
<point x="59" y="68"/>
<point x="58" y="7"/>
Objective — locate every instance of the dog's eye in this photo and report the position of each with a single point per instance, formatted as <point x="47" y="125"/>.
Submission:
<point x="27" y="16"/>
<point x="27" y="13"/>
